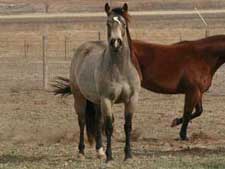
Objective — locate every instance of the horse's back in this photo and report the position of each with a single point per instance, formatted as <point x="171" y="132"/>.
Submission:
<point x="82" y="72"/>
<point x="163" y="65"/>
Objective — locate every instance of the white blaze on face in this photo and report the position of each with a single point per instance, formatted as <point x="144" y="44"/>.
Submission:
<point x="116" y="32"/>
<point x="116" y="18"/>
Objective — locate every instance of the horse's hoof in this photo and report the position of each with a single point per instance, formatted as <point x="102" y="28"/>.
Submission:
<point x="105" y="165"/>
<point x="128" y="156"/>
<point x="174" y="122"/>
<point x="108" y="159"/>
<point x="80" y="156"/>
<point x="101" y="154"/>
<point x="184" y="138"/>
<point x="128" y="159"/>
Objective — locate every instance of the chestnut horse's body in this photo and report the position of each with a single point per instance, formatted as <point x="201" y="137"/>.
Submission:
<point x="172" y="69"/>
<point x="182" y="68"/>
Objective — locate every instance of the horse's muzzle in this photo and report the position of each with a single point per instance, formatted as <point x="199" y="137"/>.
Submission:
<point x="116" y="43"/>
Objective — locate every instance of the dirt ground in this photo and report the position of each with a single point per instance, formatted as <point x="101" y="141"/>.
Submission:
<point x="40" y="131"/>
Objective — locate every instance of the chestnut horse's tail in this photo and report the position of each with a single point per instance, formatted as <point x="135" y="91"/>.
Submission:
<point x="92" y="111"/>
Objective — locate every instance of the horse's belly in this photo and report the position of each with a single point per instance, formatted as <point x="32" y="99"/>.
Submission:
<point x="88" y="90"/>
<point x="161" y="86"/>
<point x="161" y="79"/>
<point x="85" y="79"/>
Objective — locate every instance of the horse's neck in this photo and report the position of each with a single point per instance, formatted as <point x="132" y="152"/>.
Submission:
<point x="121" y="60"/>
<point x="215" y="56"/>
<point x="217" y="63"/>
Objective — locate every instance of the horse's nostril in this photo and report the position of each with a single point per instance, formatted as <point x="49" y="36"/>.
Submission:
<point x="116" y="43"/>
<point x="119" y="41"/>
<point x="112" y="42"/>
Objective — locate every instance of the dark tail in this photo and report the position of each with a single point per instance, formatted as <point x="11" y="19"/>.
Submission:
<point x="62" y="86"/>
<point x="92" y="111"/>
<point x="91" y="116"/>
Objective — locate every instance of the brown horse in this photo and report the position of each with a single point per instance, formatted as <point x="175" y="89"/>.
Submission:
<point x="182" y="68"/>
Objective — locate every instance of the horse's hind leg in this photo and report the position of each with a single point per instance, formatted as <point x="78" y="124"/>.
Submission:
<point x="80" y="106"/>
<point x="197" y="113"/>
<point x="98" y="138"/>
<point x="191" y="99"/>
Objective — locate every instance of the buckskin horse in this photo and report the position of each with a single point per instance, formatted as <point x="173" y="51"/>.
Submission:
<point x="105" y="78"/>
<point x="185" y="68"/>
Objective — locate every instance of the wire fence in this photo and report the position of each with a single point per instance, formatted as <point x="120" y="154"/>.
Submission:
<point x="32" y="60"/>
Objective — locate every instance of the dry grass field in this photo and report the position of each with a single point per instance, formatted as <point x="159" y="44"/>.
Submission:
<point x="40" y="131"/>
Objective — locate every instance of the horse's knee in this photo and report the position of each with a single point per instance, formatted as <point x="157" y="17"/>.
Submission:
<point x="199" y="110"/>
<point x="107" y="115"/>
<point x="108" y="125"/>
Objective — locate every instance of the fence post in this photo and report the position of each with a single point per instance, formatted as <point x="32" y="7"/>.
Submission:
<point x="206" y="32"/>
<point x="26" y="48"/>
<point x="181" y="39"/>
<point x="68" y="46"/>
<point x="46" y="7"/>
<point x="204" y="21"/>
<point x="65" y="46"/>
<point x="99" y="35"/>
<point x="45" y="61"/>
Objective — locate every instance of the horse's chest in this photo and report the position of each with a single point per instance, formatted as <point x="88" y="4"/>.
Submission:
<point x="120" y="92"/>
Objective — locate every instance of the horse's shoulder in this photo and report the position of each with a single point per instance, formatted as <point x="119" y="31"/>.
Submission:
<point x="88" y="46"/>
<point x="91" y="44"/>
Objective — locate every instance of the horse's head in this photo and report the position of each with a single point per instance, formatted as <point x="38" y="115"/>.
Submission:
<point x="116" y="27"/>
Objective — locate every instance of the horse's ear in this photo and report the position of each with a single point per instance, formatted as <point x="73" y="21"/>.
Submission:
<point x="107" y="8"/>
<point x="125" y="7"/>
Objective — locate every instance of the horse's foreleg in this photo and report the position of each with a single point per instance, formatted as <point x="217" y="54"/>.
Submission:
<point x="191" y="99"/>
<point x="197" y="113"/>
<point x="129" y="110"/>
<point x="106" y="109"/>
<point x="128" y="128"/>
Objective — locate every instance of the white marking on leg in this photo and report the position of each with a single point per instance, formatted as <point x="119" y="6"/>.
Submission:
<point x="100" y="153"/>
